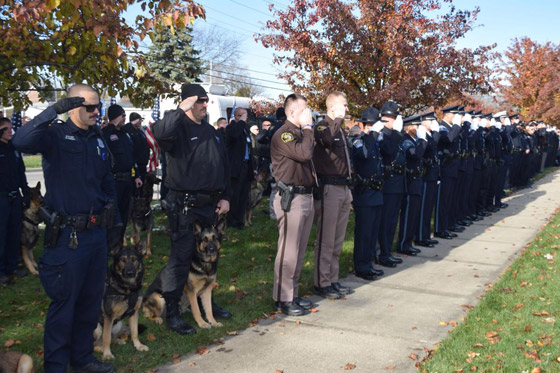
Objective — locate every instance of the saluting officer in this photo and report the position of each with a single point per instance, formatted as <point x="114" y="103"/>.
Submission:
<point x="394" y="163"/>
<point x="332" y="160"/>
<point x="122" y="149"/>
<point x="429" y="181"/>
<point x="478" y="159"/>
<point x="414" y="144"/>
<point x="291" y="150"/>
<point x="80" y="188"/>
<point x="198" y="182"/>
<point x="448" y="151"/>
<point x="367" y="194"/>
<point x="140" y="144"/>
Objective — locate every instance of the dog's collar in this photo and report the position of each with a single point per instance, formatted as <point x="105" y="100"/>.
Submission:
<point x="25" y="218"/>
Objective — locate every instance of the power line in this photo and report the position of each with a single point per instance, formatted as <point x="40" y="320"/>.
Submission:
<point x="242" y="82"/>
<point x="262" y="80"/>
<point x="229" y="24"/>
<point x="248" y="7"/>
<point x="228" y="15"/>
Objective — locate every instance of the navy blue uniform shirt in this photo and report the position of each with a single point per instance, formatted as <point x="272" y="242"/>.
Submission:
<point x="367" y="162"/>
<point x="12" y="170"/>
<point x="121" y="146"/>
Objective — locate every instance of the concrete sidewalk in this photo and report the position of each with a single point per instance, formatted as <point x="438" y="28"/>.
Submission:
<point x="385" y="321"/>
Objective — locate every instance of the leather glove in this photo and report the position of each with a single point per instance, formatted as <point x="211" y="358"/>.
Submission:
<point x="467" y="118"/>
<point x="398" y="124"/>
<point x="421" y="132"/>
<point x="66" y="104"/>
<point x="434" y="126"/>
<point x="456" y="119"/>
<point x="378" y="126"/>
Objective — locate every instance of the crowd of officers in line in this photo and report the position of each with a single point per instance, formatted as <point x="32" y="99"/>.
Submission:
<point x="393" y="172"/>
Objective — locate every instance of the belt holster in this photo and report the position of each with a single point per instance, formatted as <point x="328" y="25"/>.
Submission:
<point x="53" y="221"/>
<point x="286" y="194"/>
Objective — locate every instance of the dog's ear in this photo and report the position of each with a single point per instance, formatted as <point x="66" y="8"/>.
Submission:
<point x="141" y="247"/>
<point x="117" y="248"/>
<point x="221" y="226"/>
<point x="38" y="186"/>
<point x="198" y="228"/>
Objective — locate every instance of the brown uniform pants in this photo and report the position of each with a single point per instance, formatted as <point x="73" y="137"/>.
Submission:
<point x="332" y="218"/>
<point x="294" y="228"/>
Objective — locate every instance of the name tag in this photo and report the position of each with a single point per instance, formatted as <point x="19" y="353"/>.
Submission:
<point x="194" y="138"/>
<point x="69" y="137"/>
<point x="100" y="143"/>
<point x="114" y="137"/>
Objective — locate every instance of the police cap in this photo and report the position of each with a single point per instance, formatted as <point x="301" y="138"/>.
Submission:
<point x="390" y="108"/>
<point x="412" y="121"/>
<point x="455" y="109"/>
<point x="369" y="116"/>
<point x="428" y="116"/>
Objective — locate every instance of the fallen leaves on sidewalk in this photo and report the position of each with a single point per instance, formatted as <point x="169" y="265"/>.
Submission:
<point x="413" y="356"/>
<point x="349" y="366"/>
<point x="392" y="367"/>
<point x="202" y="350"/>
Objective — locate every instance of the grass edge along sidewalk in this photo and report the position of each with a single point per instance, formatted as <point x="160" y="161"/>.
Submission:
<point x="514" y="327"/>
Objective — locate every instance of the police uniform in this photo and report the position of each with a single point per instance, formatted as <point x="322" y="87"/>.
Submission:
<point x="477" y="155"/>
<point x="12" y="180"/>
<point x="80" y="185"/>
<point x="141" y="149"/>
<point x="367" y="196"/>
<point x="291" y="151"/>
<point x="414" y="149"/>
<point x="332" y="161"/>
<point x="197" y="178"/>
<point x="122" y="148"/>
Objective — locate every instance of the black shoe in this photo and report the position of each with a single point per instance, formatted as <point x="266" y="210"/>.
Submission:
<point x="485" y="213"/>
<point x="433" y="242"/>
<point x="174" y="321"/>
<point x="407" y="252"/>
<point x="95" y="366"/>
<point x="377" y="272"/>
<point x="395" y="260"/>
<point x="416" y="250"/>
<point x="344" y="290"/>
<point x="464" y="223"/>
<point x="306" y="304"/>
<point x="452" y="235"/>
<point x="424" y="243"/>
<point x="503" y="205"/>
<point x="20" y="272"/>
<point x="368" y="276"/>
<point x="477" y="218"/>
<point x="326" y="292"/>
<point x="457" y="229"/>
<point x="493" y="209"/>
<point x="5" y="280"/>
<point x="290" y="308"/>
<point x="219" y="312"/>
<point x="385" y="262"/>
<point x="445" y="235"/>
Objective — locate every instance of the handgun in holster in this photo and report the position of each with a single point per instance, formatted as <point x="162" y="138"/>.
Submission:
<point x="286" y="194"/>
<point x="107" y="215"/>
<point x="173" y="210"/>
<point x="53" y="221"/>
<point x="359" y="184"/>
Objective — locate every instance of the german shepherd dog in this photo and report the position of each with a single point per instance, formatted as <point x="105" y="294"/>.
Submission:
<point x="200" y="282"/>
<point x="141" y="212"/>
<point x="255" y="196"/>
<point x="123" y="296"/>
<point x="15" y="362"/>
<point x="30" y="229"/>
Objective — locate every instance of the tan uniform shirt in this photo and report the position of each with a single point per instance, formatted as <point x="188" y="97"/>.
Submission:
<point x="329" y="155"/>
<point x="291" y="150"/>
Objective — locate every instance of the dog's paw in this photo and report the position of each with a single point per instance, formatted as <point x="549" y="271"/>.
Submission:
<point x="98" y="348"/>
<point x="217" y="324"/>
<point x="108" y="356"/>
<point x="141" y="347"/>
<point x="158" y="320"/>
<point x="204" y="325"/>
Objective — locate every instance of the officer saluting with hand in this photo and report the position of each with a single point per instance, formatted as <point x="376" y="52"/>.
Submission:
<point x="80" y="188"/>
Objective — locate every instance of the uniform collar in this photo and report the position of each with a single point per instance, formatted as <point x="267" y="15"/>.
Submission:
<point x="70" y="127"/>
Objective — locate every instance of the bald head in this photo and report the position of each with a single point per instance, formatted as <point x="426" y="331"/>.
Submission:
<point x="78" y="90"/>
<point x="81" y="117"/>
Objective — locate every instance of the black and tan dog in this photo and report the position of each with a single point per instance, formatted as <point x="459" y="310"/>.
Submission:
<point x="200" y="282"/>
<point x="123" y="296"/>
<point x="30" y="229"/>
<point x="15" y="362"/>
<point x="141" y="214"/>
<point x="255" y="196"/>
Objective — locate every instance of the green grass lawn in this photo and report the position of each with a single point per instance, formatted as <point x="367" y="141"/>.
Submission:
<point x="32" y="161"/>
<point x="245" y="278"/>
<point x="515" y="326"/>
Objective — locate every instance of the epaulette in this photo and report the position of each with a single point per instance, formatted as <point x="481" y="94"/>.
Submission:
<point x="443" y="128"/>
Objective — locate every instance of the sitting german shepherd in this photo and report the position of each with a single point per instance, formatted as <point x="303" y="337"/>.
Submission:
<point x="15" y="362"/>
<point x="141" y="212"/>
<point x="123" y="296"/>
<point x="200" y="282"/>
<point x="255" y="196"/>
<point x="30" y="229"/>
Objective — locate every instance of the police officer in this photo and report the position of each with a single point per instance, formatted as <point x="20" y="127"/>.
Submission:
<point x="198" y="182"/>
<point x="448" y="151"/>
<point x="429" y="181"/>
<point x="141" y="149"/>
<point x="477" y="149"/>
<point x="332" y="161"/>
<point x="367" y="194"/>
<point x="12" y="180"/>
<point x="394" y="164"/>
<point x="291" y="151"/>
<point x="413" y="145"/>
<point x="122" y="149"/>
<point x="80" y="188"/>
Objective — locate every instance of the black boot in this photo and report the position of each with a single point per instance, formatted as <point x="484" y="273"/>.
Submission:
<point x="173" y="319"/>
<point x="217" y="311"/>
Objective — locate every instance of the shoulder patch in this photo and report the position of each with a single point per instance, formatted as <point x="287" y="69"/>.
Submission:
<point x="287" y="137"/>
<point x="321" y="128"/>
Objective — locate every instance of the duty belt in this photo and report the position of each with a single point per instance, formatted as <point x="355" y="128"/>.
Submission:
<point x="299" y="189"/>
<point x="12" y="194"/>
<point x="81" y="222"/>
<point x="335" y="180"/>
<point x="200" y="199"/>
<point x="122" y="176"/>
<point x="374" y="184"/>
<point x="394" y="169"/>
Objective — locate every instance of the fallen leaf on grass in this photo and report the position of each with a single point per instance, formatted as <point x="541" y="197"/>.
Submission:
<point x="549" y="320"/>
<point x="533" y="355"/>
<point x="232" y="333"/>
<point x="175" y="356"/>
<point x="349" y="366"/>
<point x="527" y="328"/>
<point x="9" y="343"/>
<point x="413" y="356"/>
<point x="478" y="345"/>
<point x="543" y="313"/>
<point x="557" y="359"/>
<point x="536" y="370"/>
<point x="519" y="306"/>
<point x="492" y="337"/>
<point x="151" y="337"/>
<point x="529" y="343"/>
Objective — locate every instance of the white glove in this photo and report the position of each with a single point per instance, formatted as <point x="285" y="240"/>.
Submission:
<point x="483" y="122"/>
<point x="507" y="122"/>
<point x="378" y="126"/>
<point x="421" y="132"/>
<point x="474" y="125"/>
<point x="398" y="124"/>
<point x="492" y="122"/>
<point x="434" y="126"/>
<point x="467" y="118"/>
<point x="456" y="119"/>
<point x="498" y="125"/>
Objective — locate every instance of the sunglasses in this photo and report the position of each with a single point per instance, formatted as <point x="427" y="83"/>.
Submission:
<point x="91" y="108"/>
<point x="202" y="100"/>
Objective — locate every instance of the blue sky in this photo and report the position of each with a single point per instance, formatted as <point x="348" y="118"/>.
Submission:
<point x="499" y="21"/>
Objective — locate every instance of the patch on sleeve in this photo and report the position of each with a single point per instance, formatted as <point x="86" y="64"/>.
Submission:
<point x="287" y="137"/>
<point x="321" y="128"/>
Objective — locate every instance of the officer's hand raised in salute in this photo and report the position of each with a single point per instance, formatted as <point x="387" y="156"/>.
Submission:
<point x="64" y="105"/>
<point x="306" y="119"/>
<point x="188" y="103"/>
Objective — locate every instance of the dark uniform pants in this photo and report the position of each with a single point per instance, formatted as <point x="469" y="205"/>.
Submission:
<point x="240" y="194"/>
<point x="74" y="280"/>
<point x="10" y="233"/>
<point x="183" y="243"/>
<point x="475" y="187"/>
<point x="366" y="233"/>
<point x="500" y="193"/>
<point x="294" y="228"/>
<point x="389" y="219"/>
<point x="429" y="193"/>
<point x="445" y="209"/>
<point x="410" y="213"/>
<point x="124" y="195"/>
